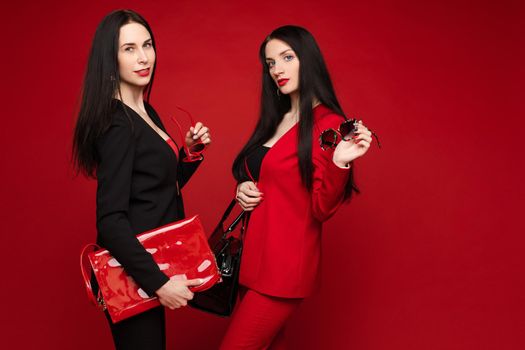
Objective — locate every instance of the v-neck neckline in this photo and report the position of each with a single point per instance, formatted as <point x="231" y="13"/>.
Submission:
<point x="283" y="135"/>
<point x="279" y="140"/>
<point x="291" y="128"/>
<point x="146" y="123"/>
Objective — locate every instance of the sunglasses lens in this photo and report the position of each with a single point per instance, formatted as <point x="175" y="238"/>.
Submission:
<point x="347" y="129"/>
<point x="197" y="148"/>
<point x="328" y="139"/>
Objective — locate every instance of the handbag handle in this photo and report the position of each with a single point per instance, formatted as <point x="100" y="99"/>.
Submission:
<point x="228" y="211"/>
<point x="85" y="269"/>
<point x="235" y="222"/>
<point x="240" y="218"/>
<point x="232" y="205"/>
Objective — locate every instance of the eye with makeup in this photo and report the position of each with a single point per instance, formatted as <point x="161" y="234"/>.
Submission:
<point x="270" y="64"/>
<point x="128" y="49"/>
<point x="288" y="58"/>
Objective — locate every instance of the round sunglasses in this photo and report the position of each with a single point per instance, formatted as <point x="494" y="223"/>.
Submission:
<point x="330" y="138"/>
<point x="194" y="152"/>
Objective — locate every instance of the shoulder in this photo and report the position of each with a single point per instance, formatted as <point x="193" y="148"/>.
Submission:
<point x="120" y="114"/>
<point x="120" y="125"/>
<point x="325" y="118"/>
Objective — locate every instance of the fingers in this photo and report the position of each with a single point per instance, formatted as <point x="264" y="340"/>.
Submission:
<point x="176" y="301"/>
<point x="195" y="130"/>
<point x="182" y="292"/>
<point x="199" y="131"/>
<point x="194" y="282"/>
<point x="172" y="303"/>
<point x="206" y="138"/>
<point x="246" y="208"/>
<point x="361" y="129"/>
<point x="251" y="185"/>
<point x="248" y="195"/>
<point x="248" y="186"/>
<point x="363" y="137"/>
<point x="250" y="192"/>
<point x="248" y="202"/>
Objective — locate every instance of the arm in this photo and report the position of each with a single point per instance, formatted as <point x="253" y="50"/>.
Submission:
<point x="116" y="151"/>
<point x="332" y="168"/>
<point x="185" y="170"/>
<point x="199" y="133"/>
<point x="329" y="179"/>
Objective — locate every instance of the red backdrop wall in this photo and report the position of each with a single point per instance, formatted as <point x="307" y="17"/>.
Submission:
<point x="428" y="257"/>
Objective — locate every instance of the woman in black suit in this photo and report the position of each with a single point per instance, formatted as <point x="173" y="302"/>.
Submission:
<point x="120" y="140"/>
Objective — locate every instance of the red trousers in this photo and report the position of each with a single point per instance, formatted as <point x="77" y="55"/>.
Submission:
<point x="258" y="322"/>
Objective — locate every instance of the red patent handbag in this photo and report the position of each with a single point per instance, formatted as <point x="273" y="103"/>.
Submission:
<point x="181" y="251"/>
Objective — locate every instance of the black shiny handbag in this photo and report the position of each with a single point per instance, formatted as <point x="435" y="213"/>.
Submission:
<point x="226" y="243"/>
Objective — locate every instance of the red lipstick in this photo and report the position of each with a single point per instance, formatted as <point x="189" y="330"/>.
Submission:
<point x="282" y="82"/>
<point x="143" y="72"/>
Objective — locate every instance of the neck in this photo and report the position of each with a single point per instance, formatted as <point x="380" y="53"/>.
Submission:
<point x="133" y="96"/>
<point x="294" y="103"/>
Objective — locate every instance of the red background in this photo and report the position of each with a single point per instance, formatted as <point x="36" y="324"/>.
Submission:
<point x="428" y="257"/>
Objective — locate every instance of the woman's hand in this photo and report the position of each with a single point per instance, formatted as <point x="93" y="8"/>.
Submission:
<point x="248" y="195"/>
<point x="357" y="146"/>
<point x="175" y="293"/>
<point x="198" y="133"/>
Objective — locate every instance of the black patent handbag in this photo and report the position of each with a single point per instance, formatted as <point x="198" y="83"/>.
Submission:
<point x="226" y="243"/>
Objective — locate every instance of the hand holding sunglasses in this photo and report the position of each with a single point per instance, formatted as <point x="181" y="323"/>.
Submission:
<point x="195" y="140"/>
<point x="356" y="138"/>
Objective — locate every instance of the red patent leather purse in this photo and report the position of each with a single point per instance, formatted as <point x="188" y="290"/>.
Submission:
<point x="181" y="251"/>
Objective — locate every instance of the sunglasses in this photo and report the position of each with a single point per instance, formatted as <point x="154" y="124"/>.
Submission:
<point x="330" y="138"/>
<point x="194" y="152"/>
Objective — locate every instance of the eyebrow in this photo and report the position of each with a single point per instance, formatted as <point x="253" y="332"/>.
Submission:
<point x="131" y="44"/>
<point x="280" y="54"/>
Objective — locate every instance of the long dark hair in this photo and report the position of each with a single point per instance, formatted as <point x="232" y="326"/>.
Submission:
<point x="101" y="83"/>
<point x="314" y="83"/>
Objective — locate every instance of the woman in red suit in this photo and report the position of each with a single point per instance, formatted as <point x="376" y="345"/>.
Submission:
<point x="290" y="184"/>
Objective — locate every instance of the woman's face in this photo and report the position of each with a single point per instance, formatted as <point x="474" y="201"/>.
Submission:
<point x="283" y="66"/>
<point x="136" y="56"/>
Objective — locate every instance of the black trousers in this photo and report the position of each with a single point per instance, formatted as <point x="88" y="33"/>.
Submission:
<point x="146" y="331"/>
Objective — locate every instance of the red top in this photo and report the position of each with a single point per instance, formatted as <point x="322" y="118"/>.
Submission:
<point x="282" y="245"/>
<point x="173" y="146"/>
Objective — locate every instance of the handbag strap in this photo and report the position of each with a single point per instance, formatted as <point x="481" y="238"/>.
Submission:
<point x="241" y="218"/>
<point x="228" y="211"/>
<point x="85" y="269"/>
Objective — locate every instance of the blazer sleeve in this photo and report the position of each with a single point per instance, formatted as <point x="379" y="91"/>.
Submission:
<point x="329" y="180"/>
<point x="186" y="169"/>
<point x="114" y="173"/>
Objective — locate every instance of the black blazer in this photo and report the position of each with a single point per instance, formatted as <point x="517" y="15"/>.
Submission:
<point x="138" y="182"/>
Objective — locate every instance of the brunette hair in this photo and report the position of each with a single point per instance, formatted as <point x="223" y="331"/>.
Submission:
<point x="314" y="83"/>
<point x="101" y="84"/>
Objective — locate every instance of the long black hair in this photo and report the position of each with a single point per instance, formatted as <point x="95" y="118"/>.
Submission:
<point x="314" y="83"/>
<point x="101" y="85"/>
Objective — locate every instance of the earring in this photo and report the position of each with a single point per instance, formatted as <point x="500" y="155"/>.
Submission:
<point x="278" y="93"/>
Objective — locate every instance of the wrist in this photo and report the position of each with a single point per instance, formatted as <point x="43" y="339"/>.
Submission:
<point x="341" y="164"/>
<point x="160" y="291"/>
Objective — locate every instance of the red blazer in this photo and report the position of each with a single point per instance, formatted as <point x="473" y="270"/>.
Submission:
<point x="282" y="245"/>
